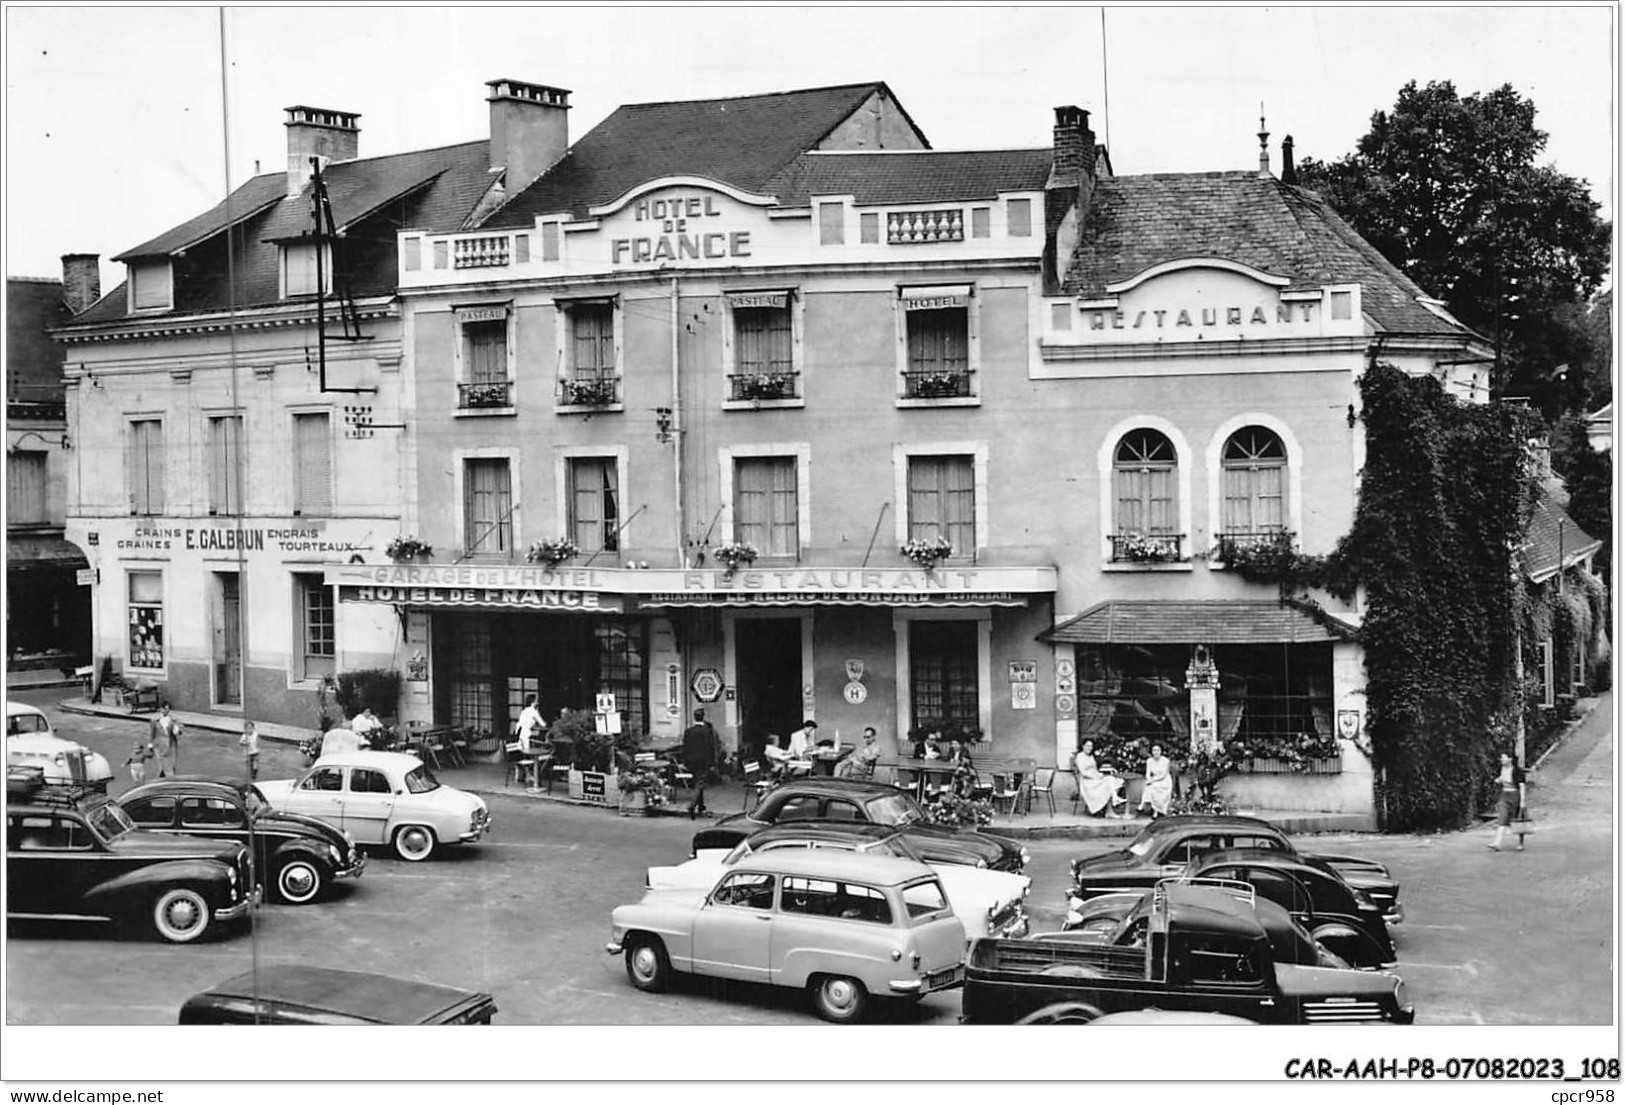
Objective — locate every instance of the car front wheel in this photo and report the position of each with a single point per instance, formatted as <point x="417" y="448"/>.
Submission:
<point x="840" y="999"/>
<point x="647" y="967"/>
<point x="1066" y="1012"/>
<point x="414" y="843"/>
<point x="181" y="915"/>
<point x="298" y="881"/>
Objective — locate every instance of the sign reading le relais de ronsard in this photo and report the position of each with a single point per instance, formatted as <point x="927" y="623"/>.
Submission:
<point x="616" y="589"/>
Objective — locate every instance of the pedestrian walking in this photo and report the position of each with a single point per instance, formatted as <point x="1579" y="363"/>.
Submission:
<point x="139" y="758"/>
<point x="165" y="735"/>
<point x="528" y="729"/>
<point x="1513" y="783"/>
<point x="702" y="753"/>
<point x="250" y="740"/>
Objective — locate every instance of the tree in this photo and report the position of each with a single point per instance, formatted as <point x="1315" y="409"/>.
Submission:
<point x="1449" y="190"/>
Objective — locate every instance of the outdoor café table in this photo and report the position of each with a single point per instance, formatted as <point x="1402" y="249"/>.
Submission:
<point x="825" y="759"/>
<point x="922" y="771"/>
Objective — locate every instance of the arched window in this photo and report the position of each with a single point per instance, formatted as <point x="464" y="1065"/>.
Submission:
<point x="1145" y="489"/>
<point x="1254" y="483"/>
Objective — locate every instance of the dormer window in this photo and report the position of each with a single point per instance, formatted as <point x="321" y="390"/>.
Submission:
<point x="299" y="269"/>
<point x="151" y="286"/>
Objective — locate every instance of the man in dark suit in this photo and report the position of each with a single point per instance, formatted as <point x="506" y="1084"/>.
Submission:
<point x="702" y="752"/>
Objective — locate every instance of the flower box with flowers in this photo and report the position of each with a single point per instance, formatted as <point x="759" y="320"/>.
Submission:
<point x="408" y="548"/>
<point x="555" y="551"/>
<point x="736" y="554"/>
<point x="1145" y="548"/>
<point x="938" y="385"/>
<point x="927" y="552"/>
<point x="641" y="791"/>
<point x="589" y="391"/>
<point x="764" y="385"/>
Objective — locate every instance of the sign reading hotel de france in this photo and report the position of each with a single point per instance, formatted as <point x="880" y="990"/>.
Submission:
<point x="600" y="590"/>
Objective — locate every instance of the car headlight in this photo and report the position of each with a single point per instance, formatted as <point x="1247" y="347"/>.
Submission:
<point x="334" y="856"/>
<point x="1026" y="856"/>
<point x="231" y="872"/>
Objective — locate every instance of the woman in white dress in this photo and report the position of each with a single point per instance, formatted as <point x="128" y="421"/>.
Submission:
<point x="1097" y="788"/>
<point x="1159" y="782"/>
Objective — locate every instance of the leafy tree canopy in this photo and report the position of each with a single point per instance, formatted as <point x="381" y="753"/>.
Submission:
<point x="1448" y="188"/>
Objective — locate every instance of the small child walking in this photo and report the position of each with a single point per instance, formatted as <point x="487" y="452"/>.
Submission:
<point x="250" y="740"/>
<point x="137" y="763"/>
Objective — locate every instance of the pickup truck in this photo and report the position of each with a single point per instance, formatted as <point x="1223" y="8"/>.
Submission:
<point x="1200" y="949"/>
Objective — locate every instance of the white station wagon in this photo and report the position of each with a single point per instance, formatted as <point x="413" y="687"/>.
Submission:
<point x="383" y="798"/>
<point x="844" y="926"/>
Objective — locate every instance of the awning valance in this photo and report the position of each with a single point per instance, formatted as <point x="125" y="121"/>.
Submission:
<point x="1211" y="622"/>
<point x="932" y="297"/>
<point x="42" y="552"/>
<point x="805" y="598"/>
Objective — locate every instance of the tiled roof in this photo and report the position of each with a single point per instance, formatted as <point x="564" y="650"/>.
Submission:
<point x="744" y="141"/>
<point x="1134" y="222"/>
<point x="1553" y="538"/>
<point x="911" y="176"/>
<point x="1214" y="622"/>
<point x="434" y="190"/>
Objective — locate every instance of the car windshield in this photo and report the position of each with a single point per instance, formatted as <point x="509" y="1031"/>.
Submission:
<point x="26" y="723"/>
<point x="420" y="780"/>
<point x="109" y="821"/>
<point x="894" y="809"/>
<point x="1142" y="844"/>
<point x="255" y="801"/>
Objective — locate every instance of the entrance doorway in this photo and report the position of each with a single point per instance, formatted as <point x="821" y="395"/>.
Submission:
<point x="228" y="640"/>
<point x="767" y="658"/>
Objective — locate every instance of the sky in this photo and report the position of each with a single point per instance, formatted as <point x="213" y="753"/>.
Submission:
<point x="118" y="122"/>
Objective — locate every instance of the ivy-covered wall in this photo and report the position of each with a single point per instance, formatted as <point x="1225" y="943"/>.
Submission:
<point x="1443" y="501"/>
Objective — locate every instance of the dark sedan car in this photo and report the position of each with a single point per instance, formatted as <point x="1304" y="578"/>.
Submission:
<point x="294" y="994"/>
<point x="296" y="857"/>
<point x="1165" y="846"/>
<point x="829" y="799"/>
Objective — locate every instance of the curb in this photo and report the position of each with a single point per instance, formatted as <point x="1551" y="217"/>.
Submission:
<point x="227" y="726"/>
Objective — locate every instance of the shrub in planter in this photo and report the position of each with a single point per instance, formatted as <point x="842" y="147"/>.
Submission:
<point x="379" y="688"/>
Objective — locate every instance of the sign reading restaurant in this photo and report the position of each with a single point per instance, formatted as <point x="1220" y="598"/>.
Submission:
<point x="601" y="589"/>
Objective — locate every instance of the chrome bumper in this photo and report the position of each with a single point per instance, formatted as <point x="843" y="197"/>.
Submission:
<point x="941" y="980"/>
<point x="612" y="948"/>
<point x="476" y="831"/>
<point x="357" y="865"/>
<point x="1395" y="915"/>
<point x="234" y="912"/>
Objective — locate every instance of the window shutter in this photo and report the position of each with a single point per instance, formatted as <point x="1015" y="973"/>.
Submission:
<point x="782" y="539"/>
<point x="25" y="488"/>
<point x="313" y="465"/>
<point x="924" y="498"/>
<point x="155" y="469"/>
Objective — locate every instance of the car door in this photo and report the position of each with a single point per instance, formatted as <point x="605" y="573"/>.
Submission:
<point x="39" y="865"/>
<point x="1276" y="886"/>
<point x="212" y="816"/>
<point x="733" y="930"/>
<point x="157" y="812"/>
<point x="1185" y="849"/>
<point x="369" y="804"/>
<point x="320" y="794"/>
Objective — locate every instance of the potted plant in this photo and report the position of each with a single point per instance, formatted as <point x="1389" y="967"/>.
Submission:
<point x="765" y="385"/>
<point x="552" y="552"/>
<point x="642" y="791"/>
<point x="734" y="555"/>
<point x="927" y="552"/>
<point x="937" y="385"/>
<point x="405" y="548"/>
<point x="1147" y="548"/>
<point x="487" y="395"/>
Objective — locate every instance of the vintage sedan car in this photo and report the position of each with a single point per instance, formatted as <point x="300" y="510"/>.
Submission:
<point x="1165" y="846"/>
<point x="71" y="859"/>
<point x="383" y="798"/>
<point x="987" y="903"/>
<point x="296" y="857"/>
<point x="829" y="799"/>
<point x="296" y="994"/>
<point x="844" y="926"/>
<point x="1120" y="919"/>
<point x="30" y="741"/>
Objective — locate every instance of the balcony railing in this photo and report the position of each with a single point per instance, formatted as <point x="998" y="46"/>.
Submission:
<point x="1147" y="548"/>
<point x="479" y="253"/>
<point x="936" y="384"/>
<point x="480" y="396"/>
<point x="911" y="227"/>
<point x="762" y="385"/>
<point x="588" y="391"/>
<point x="1254" y="546"/>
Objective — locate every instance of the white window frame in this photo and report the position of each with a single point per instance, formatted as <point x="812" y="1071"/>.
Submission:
<point x="976" y="450"/>
<point x="295" y="507"/>
<point x="1215" y="470"/>
<point x="564" y="331"/>
<point x="299" y="673"/>
<point x="285" y="255"/>
<point x="795" y="306"/>
<point x="133" y="271"/>
<point x="460" y="457"/>
<point x="983" y="617"/>
<point x="464" y="369"/>
<point x="802" y="451"/>
<point x="1106" y="490"/>
<point x="562" y="456"/>
<point x="973" y="344"/>
<point x="163" y="612"/>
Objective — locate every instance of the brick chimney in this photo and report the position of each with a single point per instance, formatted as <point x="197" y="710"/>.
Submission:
<point x="1289" y="167"/>
<point x="320" y="133"/>
<point x="1067" y="193"/>
<point x="530" y="130"/>
<point x="81" y="281"/>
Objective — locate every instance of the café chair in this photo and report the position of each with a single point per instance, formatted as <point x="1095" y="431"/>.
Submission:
<point x="521" y="765"/>
<point x="756" y="784"/>
<point x="681" y="776"/>
<point x="1044" y="783"/>
<point x="1003" y="791"/>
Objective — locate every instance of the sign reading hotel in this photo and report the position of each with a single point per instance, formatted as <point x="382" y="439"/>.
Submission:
<point x="1214" y="304"/>
<point x="680" y="223"/>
